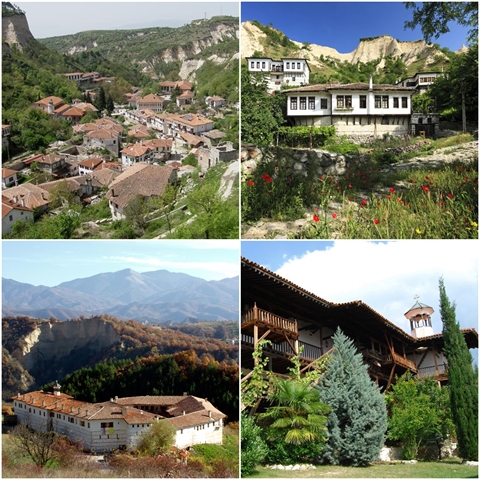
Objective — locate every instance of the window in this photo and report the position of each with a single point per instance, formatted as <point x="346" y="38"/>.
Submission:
<point x="385" y="101"/>
<point x="10" y="217"/>
<point x="288" y="64"/>
<point x="107" y="427"/>
<point x="395" y="102"/>
<point x="323" y="103"/>
<point x="263" y="64"/>
<point x="363" y="101"/>
<point x="303" y="103"/>
<point x="404" y="102"/>
<point x="344" y="101"/>
<point x="293" y="65"/>
<point x="311" y="103"/>
<point x="298" y="66"/>
<point x="258" y="64"/>
<point x="293" y="103"/>
<point x="252" y="64"/>
<point x="378" y="101"/>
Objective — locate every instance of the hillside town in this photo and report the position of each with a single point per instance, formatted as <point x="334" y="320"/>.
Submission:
<point x="138" y="150"/>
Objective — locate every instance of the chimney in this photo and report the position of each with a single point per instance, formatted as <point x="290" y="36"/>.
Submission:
<point x="87" y="412"/>
<point x="79" y="410"/>
<point x="63" y="406"/>
<point x="56" y="404"/>
<point x="116" y="398"/>
<point x="71" y="409"/>
<point x="183" y="413"/>
<point x="124" y="410"/>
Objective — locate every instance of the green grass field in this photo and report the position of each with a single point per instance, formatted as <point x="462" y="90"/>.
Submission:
<point x="448" y="468"/>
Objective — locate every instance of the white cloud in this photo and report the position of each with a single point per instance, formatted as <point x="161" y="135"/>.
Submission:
<point x="387" y="276"/>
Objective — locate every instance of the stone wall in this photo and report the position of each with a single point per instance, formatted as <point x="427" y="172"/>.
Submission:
<point x="304" y="160"/>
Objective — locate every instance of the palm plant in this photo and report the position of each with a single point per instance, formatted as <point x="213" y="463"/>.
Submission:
<point x="298" y="415"/>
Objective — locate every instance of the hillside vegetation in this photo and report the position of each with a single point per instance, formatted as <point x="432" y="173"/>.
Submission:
<point x="134" y="341"/>
<point x="150" y="48"/>
<point x="385" y="58"/>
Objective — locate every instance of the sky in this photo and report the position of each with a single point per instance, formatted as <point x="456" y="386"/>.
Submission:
<point x="384" y="275"/>
<point x="340" y="25"/>
<point x="51" y="19"/>
<point x="50" y="263"/>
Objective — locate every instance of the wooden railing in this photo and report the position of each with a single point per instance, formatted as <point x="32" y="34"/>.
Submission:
<point x="269" y="319"/>
<point x="432" y="371"/>
<point x="310" y="352"/>
<point x="399" y="360"/>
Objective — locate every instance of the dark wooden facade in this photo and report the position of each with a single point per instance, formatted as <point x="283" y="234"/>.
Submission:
<point x="275" y="309"/>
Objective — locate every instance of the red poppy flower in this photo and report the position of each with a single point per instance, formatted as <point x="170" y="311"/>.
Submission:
<point x="376" y="222"/>
<point x="315" y="218"/>
<point x="321" y="177"/>
<point x="349" y="186"/>
<point x="424" y="188"/>
<point x="412" y="180"/>
<point x="251" y="183"/>
<point x="364" y="202"/>
<point x="449" y="195"/>
<point x="267" y="178"/>
<point x="392" y="189"/>
<point x="334" y="215"/>
<point x="389" y="197"/>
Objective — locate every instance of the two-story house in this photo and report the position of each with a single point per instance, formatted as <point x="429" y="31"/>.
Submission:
<point x="421" y="81"/>
<point x="290" y="72"/>
<point x="362" y="109"/>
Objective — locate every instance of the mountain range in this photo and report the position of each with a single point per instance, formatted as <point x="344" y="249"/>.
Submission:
<point x="159" y="297"/>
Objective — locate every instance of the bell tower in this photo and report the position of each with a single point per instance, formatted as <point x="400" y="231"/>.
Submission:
<point x="420" y="319"/>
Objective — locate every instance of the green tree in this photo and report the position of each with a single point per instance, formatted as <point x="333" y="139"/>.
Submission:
<point x="158" y="439"/>
<point x="358" y="418"/>
<point x="463" y="382"/>
<point x="109" y="106"/>
<point x="101" y="101"/>
<point x="262" y="113"/>
<point x="254" y="448"/>
<point x="433" y="18"/>
<point x="419" y="412"/>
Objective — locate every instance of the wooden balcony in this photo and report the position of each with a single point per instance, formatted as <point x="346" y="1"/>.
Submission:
<point x="268" y="321"/>
<point x="401" y="361"/>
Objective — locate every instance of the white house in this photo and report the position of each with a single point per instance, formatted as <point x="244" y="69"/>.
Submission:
<point x="12" y="211"/>
<point x="289" y="72"/>
<point x="421" y="81"/>
<point x="9" y="177"/>
<point x="354" y="109"/>
<point x="118" y="423"/>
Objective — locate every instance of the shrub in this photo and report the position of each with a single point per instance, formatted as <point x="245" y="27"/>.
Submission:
<point x="254" y="448"/>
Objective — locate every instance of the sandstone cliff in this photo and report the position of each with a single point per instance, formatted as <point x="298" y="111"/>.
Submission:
<point x="253" y="39"/>
<point x="52" y="344"/>
<point x="15" y="31"/>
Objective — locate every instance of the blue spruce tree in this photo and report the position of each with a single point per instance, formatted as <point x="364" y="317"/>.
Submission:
<point x="357" y="421"/>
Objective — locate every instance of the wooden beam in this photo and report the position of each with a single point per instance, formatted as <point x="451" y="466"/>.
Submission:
<point x="390" y="378"/>
<point x="264" y="336"/>
<point x="292" y="347"/>
<point x="319" y="358"/>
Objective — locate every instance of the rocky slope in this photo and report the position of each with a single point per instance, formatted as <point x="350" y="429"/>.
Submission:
<point x="15" y="31"/>
<point x="253" y="39"/>
<point x="215" y="39"/>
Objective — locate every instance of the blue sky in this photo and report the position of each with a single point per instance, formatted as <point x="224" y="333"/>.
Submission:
<point x="53" y="262"/>
<point x="384" y="275"/>
<point x="50" y="19"/>
<point x="340" y="25"/>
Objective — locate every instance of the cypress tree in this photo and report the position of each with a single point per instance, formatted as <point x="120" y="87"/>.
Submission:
<point x="357" y="421"/>
<point x="462" y="380"/>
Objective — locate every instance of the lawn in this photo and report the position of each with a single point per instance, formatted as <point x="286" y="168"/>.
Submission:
<point x="448" y="468"/>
